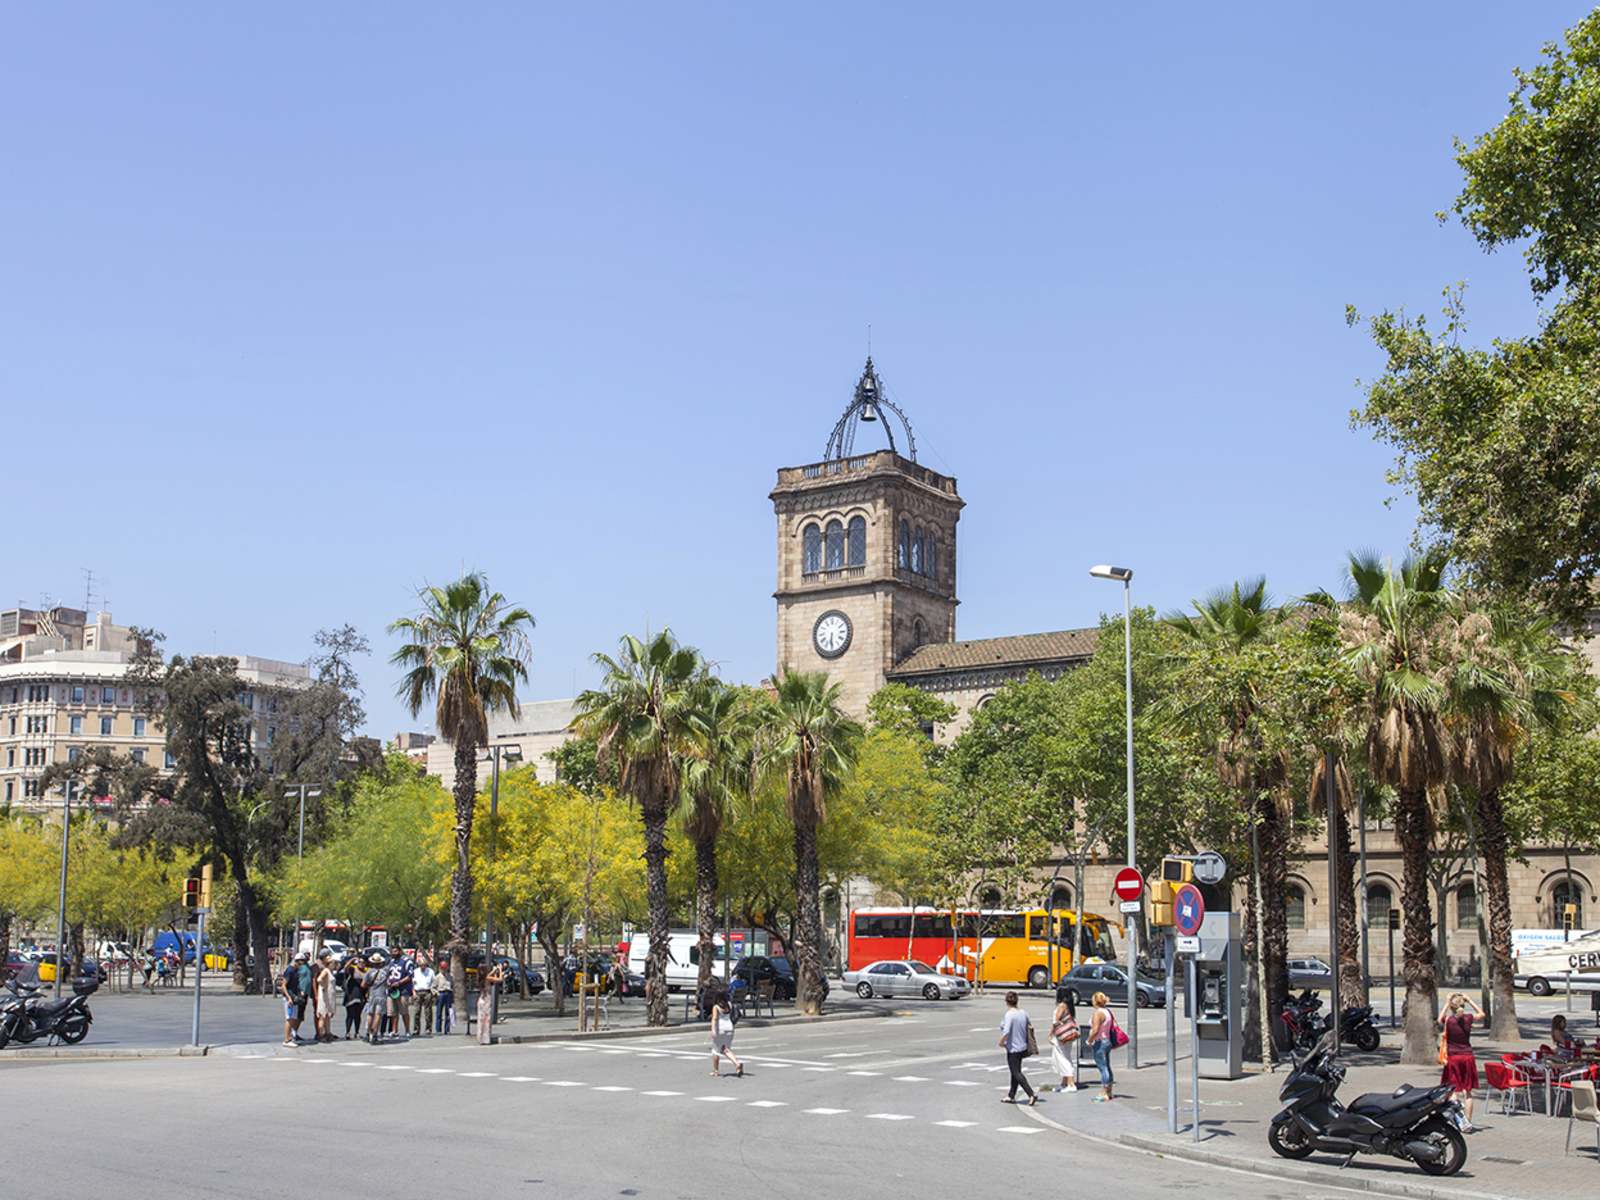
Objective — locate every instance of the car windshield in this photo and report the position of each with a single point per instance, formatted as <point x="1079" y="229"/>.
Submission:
<point x="922" y="968"/>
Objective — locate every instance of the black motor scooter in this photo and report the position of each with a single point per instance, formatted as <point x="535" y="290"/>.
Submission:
<point x="27" y="1016"/>
<point x="1422" y="1125"/>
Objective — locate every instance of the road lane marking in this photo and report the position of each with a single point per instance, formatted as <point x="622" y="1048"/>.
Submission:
<point x="956" y="1124"/>
<point x="768" y="1104"/>
<point x="520" y="1078"/>
<point x="661" y="1093"/>
<point x="479" y="1074"/>
<point x="614" y="1052"/>
<point x="825" y="1112"/>
<point x="911" y="1079"/>
<point x="435" y="1071"/>
<point x="613" y="1087"/>
<point x="863" y="1072"/>
<point x="1019" y="1129"/>
<point x="816" y="1068"/>
<point x="851" y="1054"/>
<point x="890" y="1117"/>
<point x="962" y="1083"/>
<point x="355" y="1064"/>
<point x="564" y="1083"/>
<point x="394" y="1067"/>
<point x="716" y="1099"/>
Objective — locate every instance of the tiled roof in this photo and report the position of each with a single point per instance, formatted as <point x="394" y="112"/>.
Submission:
<point x="1021" y="650"/>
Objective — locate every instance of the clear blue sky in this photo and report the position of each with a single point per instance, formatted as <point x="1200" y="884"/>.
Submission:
<point x="305" y="306"/>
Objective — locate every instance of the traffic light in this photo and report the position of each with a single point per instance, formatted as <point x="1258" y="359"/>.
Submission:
<point x="1175" y="872"/>
<point x="191" y="893"/>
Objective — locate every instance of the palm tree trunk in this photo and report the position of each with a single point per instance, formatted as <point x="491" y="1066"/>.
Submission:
<point x="1413" y="829"/>
<point x="655" y="871"/>
<point x="1274" y="915"/>
<point x="808" y="918"/>
<point x="705" y="905"/>
<point x="466" y="798"/>
<point x="1352" y="986"/>
<point x="1492" y="842"/>
<point x="1252" y="973"/>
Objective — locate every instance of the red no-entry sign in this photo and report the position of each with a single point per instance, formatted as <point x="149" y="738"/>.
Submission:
<point x="1129" y="884"/>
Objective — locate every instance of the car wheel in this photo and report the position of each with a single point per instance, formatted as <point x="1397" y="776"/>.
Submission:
<point x="1140" y="1000"/>
<point x="1539" y="986"/>
<point x="1038" y="977"/>
<point x="864" y="990"/>
<point x="931" y="992"/>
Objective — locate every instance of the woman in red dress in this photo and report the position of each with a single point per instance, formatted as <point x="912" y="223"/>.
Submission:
<point x="1460" y="1064"/>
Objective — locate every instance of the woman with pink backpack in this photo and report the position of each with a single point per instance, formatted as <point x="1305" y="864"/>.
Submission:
<point x="1105" y="1035"/>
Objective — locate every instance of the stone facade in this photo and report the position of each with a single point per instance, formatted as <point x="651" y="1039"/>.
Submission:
<point x="539" y="727"/>
<point x="895" y="586"/>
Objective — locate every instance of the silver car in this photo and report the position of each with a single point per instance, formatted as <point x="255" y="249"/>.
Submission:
<point x="906" y="977"/>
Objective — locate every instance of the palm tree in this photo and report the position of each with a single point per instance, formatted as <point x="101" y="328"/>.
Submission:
<point x="467" y="649"/>
<point x="1223" y="705"/>
<point x="813" y="743"/>
<point x="1522" y="687"/>
<point x="716" y="776"/>
<point x="1352" y="982"/>
<point x="640" y="719"/>
<point x="1398" y="632"/>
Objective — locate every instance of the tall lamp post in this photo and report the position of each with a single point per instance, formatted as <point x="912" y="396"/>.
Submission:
<point x="301" y="791"/>
<point x="511" y="754"/>
<point x="1124" y="576"/>
<point x="61" y="911"/>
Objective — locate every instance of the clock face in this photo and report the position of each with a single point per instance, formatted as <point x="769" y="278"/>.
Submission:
<point x="831" y="634"/>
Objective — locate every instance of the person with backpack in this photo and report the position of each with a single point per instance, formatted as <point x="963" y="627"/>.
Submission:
<point x="1018" y="1041"/>
<point x="294" y="985"/>
<point x="1064" y="1034"/>
<point x="1105" y="1035"/>
<point x="722" y="1024"/>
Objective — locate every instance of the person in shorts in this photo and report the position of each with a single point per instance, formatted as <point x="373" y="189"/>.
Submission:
<point x="294" y="985"/>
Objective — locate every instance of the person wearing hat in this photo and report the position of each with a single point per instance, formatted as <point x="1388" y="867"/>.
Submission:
<point x="294" y="985"/>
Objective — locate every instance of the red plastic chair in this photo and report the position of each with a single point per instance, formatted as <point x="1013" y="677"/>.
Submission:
<point x="1508" y="1084"/>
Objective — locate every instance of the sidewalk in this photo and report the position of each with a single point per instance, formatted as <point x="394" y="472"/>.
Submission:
<point x="1518" y="1157"/>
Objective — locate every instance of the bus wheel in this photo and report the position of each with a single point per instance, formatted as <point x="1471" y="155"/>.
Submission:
<point x="1038" y="978"/>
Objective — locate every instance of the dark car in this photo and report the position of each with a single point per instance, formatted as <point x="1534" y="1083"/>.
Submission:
<point x="756" y="969"/>
<point x="597" y="966"/>
<point x="1083" y="981"/>
<point x="13" y="966"/>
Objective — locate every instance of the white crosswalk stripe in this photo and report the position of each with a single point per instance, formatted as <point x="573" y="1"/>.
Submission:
<point x="661" y="1093"/>
<point x="520" y="1078"/>
<point x="1020" y="1129"/>
<point x="766" y="1104"/>
<point x="956" y="1124"/>
<point x="890" y="1117"/>
<point x="825" y="1112"/>
<point x="564" y="1083"/>
<point x="613" y="1087"/>
<point x="717" y="1099"/>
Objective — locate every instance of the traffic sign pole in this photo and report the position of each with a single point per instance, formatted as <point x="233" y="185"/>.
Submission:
<point x="1172" y="1038"/>
<point x="1129" y="886"/>
<point x="199" y="967"/>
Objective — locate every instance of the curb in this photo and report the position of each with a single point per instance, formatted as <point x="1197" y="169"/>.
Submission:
<point x="106" y="1052"/>
<point x="522" y="1039"/>
<point x="1326" y="1176"/>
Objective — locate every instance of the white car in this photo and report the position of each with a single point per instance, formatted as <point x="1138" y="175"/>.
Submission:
<point x="906" y="977"/>
<point x="1551" y="985"/>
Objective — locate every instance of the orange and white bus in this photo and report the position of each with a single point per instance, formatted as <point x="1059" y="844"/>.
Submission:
<point x="1011" y="946"/>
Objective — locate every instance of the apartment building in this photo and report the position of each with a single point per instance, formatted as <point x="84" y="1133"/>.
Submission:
<point x="64" y="690"/>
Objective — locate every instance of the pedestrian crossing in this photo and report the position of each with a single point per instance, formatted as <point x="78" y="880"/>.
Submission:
<point x="842" y="1065"/>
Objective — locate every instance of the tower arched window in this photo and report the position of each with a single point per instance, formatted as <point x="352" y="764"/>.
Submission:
<point x="919" y="633"/>
<point x="835" y="545"/>
<point x="1379" y="901"/>
<point x="811" y="549"/>
<point x="916" y="552"/>
<point x="902" y="558"/>
<point x="1567" y="891"/>
<point x="1466" y="906"/>
<point x="856" y="542"/>
<point x="931" y="554"/>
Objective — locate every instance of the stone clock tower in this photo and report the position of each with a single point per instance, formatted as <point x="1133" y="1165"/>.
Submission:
<point x="866" y="553"/>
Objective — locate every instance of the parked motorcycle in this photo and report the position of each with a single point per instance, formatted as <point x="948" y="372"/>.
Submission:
<point x="1422" y="1125"/>
<point x="1301" y="1017"/>
<point x="28" y="1016"/>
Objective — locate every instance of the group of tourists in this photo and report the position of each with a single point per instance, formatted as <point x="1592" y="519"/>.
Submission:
<point x="384" y="997"/>
<point x="1018" y="1040"/>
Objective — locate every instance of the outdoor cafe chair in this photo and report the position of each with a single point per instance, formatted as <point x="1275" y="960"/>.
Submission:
<point x="1508" y="1084"/>
<point x="1584" y="1108"/>
<point x="1563" y="1086"/>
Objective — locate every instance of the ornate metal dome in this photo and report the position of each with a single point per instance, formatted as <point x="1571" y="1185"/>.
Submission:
<point x="869" y="406"/>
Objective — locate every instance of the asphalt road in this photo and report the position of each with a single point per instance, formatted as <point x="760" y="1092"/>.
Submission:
<point x="902" y="1107"/>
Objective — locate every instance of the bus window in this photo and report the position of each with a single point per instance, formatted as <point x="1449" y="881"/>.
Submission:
<point x="931" y="925"/>
<point x="1036" y="929"/>
<point x="1101" y="946"/>
<point x="884" y="925"/>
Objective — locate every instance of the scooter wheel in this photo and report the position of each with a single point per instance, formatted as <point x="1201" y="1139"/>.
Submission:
<point x="1455" y="1154"/>
<point x="73" y="1030"/>
<point x="1288" y="1140"/>
<point x="1366" y="1039"/>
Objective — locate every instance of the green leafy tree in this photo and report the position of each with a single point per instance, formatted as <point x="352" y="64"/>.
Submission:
<point x="466" y="650"/>
<point x="641" y="721"/>
<point x="911" y="712"/>
<point x="812" y="745"/>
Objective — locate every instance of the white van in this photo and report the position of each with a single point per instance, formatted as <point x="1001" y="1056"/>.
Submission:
<point x="683" y="957"/>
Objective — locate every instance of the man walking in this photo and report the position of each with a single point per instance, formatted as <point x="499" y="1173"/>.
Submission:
<point x="294" y="985"/>
<point x="422" y="981"/>
<point x="401" y="973"/>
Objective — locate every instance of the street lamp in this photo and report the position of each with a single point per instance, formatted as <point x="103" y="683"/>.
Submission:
<point x="1124" y="576"/>
<point x="67" y="789"/>
<point x="302" y="791"/>
<point x="512" y="753"/>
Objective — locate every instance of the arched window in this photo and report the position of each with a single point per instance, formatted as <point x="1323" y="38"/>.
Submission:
<point x="916" y="553"/>
<point x="989" y="896"/>
<point x="919" y="632"/>
<point x="811" y="549"/>
<point x="902" y="558"/>
<point x="1466" y="907"/>
<point x="1294" y="905"/>
<point x="1567" y="891"/>
<point x="932" y="555"/>
<point x="835" y="540"/>
<point x="1379" y="901"/>
<point x="1061" y="896"/>
<point x="856" y="536"/>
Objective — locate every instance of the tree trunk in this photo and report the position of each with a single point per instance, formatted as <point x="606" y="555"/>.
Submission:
<point x="5" y="934"/>
<point x="466" y="798"/>
<point x="1497" y="896"/>
<point x="705" y="906"/>
<point x="1251" y="951"/>
<point x="1274" y="913"/>
<point x="75" y="963"/>
<point x="1413" y="829"/>
<point x="552" y="965"/>
<point x="655" y="872"/>
<point x="1352" y="984"/>
<point x="808" y="919"/>
<point x="258" y="978"/>
<point x="241" y="948"/>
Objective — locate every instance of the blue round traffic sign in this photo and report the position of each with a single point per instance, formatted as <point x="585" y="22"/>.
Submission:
<point x="1188" y="910"/>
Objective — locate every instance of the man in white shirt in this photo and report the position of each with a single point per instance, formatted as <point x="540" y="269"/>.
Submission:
<point x="423" y="989"/>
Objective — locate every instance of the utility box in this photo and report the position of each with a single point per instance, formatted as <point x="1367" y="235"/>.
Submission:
<point x="1219" y="990"/>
